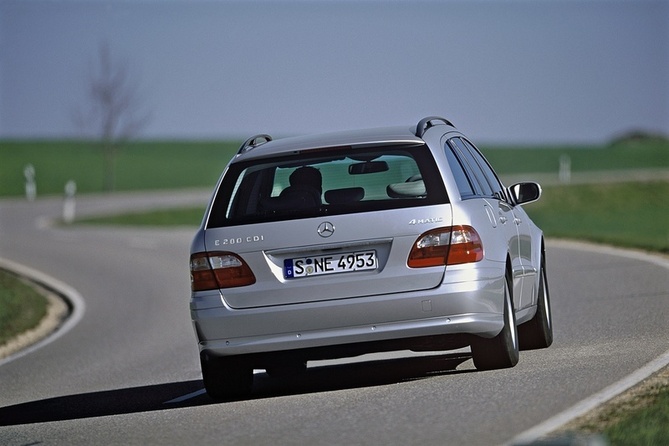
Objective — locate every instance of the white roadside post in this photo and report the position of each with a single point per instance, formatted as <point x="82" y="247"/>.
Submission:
<point x="31" y="186"/>
<point x="565" y="169"/>
<point x="69" y="203"/>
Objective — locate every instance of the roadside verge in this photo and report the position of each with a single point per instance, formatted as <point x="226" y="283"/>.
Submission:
<point x="65" y="309"/>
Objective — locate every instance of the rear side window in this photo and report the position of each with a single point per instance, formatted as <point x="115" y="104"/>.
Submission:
<point x="472" y="171"/>
<point x="472" y="166"/>
<point x="464" y="186"/>
<point x="327" y="182"/>
<point x="489" y="174"/>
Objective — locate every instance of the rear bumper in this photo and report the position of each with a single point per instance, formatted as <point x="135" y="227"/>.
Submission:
<point x="465" y="307"/>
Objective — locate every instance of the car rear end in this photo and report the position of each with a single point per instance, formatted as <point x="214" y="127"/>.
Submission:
<point x="365" y="266"/>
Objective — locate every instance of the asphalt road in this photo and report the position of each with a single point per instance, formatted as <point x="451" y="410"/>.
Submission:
<point x="128" y="371"/>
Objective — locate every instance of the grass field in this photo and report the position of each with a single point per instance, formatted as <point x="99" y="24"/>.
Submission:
<point x="632" y="215"/>
<point x="147" y="165"/>
<point x="651" y="153"/>
<point x="139" y="165"/>
<point x="189" y="216"/>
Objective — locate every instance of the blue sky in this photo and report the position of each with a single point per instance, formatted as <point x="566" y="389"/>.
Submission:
<point x="508" y="71"/>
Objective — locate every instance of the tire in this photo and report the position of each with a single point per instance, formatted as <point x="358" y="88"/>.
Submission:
<point x="226" y="378"/>
<point x="502" y="351"/>
<point x="538" y="332"/>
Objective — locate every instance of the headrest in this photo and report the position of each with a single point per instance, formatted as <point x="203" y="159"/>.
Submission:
<point x="411" y="189"/>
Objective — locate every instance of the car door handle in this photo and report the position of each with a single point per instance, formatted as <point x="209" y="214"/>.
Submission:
<point x="517" y="221"/>
<point x="502" y="219"/>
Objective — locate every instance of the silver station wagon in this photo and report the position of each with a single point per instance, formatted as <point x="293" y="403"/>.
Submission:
<point x="342" y="244"/>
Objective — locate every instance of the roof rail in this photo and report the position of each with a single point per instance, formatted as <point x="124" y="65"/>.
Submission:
<point x="253" y="141"/>
<point x="426" y="123"/>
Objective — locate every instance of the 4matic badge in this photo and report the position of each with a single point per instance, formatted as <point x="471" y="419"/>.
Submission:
<point x="421" y="221"/>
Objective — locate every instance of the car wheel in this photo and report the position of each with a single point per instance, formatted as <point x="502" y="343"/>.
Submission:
<point x="501" y="351"/>
<point x="538" y="332"/>
<point x="226" y="377"/>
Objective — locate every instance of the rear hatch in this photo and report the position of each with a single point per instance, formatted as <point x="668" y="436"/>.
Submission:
<point x="330" y="257"/>
<point x="324" y="223"/>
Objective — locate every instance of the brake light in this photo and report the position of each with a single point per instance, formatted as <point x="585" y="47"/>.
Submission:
<point x="213" y="270"/>
<point x="451" y="245"/>
<point x="466" y="246"/>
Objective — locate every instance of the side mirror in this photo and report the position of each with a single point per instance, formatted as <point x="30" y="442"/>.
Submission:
<point x="523" y="193"/>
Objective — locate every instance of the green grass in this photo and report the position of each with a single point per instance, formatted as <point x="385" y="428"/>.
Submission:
<point x="150" y="165"/>
<point x="643" y="154"/>
<point x="633" y="215"/>
<point x="144" y="165"/>
<point x="165" y="217"/>
<point x="648" y="425"/>
<point x="21" y="306"/>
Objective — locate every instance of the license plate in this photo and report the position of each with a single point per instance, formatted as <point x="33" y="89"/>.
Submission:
<point x="329" y="264"/>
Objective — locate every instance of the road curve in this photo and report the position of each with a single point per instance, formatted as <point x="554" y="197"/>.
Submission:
<point x="128" y="373"/>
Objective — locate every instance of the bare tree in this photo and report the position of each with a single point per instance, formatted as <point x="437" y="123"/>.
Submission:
<point x="113" y="111"/>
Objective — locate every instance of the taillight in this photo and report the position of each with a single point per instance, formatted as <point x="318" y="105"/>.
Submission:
<point x="452" y="245"/>
<point x="466" y="246"/>
<point x="431" y="249"/>
<point x="213" y="270"/>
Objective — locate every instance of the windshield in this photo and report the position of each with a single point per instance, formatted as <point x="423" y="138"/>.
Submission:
<point x="327" y="182"/>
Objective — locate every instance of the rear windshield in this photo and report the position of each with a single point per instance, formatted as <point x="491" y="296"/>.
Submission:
<point x="327" y="182"/>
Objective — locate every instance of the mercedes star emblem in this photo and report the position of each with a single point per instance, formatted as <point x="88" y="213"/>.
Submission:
<point x="326" y="229"/>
